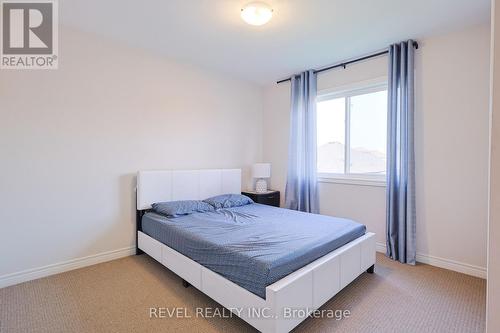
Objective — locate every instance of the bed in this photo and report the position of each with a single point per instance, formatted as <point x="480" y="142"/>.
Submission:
<point x="258" y="261"/>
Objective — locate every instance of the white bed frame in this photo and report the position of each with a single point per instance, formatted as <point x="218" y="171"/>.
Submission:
<point x="304" y="290"/>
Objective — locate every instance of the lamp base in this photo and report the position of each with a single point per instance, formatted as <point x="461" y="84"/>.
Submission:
<point x="261" y="186"/>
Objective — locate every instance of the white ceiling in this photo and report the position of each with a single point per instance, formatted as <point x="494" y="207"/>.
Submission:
<point x="302" y="34"/>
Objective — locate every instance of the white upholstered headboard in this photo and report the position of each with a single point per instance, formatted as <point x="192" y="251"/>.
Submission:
<point x="171" y="185"/>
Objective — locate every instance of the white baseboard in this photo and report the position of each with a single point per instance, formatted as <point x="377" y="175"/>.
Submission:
<point x="36" y="273"/>
<point x="381" y="247"/>
<point x="445" y="263"/>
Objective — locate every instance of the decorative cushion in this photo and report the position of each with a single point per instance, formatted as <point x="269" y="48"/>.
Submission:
<point x="228" y="201"/>
<point x="182" y="207"/>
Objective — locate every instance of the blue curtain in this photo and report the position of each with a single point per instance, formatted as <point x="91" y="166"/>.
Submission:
<point x="301" y="191"/>
<point x="401" y="212"/>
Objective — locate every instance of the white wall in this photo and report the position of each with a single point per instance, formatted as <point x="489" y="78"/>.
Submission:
<point x="451" y="149"/>
<point x="493" y="298"/>
<point x="71" y="141"/>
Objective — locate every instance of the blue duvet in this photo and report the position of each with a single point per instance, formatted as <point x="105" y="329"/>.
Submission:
<point x="253" y="245"/>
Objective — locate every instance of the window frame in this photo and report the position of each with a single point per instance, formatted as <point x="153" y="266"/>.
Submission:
<point x="347" y="92"/>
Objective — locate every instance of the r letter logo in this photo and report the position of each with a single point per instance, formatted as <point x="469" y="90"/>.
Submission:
<point x="29" y="34"/>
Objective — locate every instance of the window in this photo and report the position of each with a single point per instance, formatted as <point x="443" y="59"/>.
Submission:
<point x="352" y="133"/>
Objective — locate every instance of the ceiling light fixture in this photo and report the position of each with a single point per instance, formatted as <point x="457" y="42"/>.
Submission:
<point x="256" y="13"/>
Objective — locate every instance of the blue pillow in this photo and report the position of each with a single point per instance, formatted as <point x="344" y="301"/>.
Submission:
<point x="228" y="201"/>
<point x="183" y="207"/>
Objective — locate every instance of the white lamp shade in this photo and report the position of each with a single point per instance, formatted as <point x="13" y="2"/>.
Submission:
<point x="261" y="170"/>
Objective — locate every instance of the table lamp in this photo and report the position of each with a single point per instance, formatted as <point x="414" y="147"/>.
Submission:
<point x="261" y="171"/>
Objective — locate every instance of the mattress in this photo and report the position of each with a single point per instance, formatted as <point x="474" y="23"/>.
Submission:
<point x="253" y="245"/>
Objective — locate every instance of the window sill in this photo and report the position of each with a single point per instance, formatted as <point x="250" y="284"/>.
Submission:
<point x="353" y="181"/>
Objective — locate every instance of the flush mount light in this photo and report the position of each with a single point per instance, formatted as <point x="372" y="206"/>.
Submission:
<point x="256" y="13"/>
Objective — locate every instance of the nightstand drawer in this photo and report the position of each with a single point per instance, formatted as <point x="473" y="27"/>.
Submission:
<point x="268" y="198"/>
<point x="271" y="198"/>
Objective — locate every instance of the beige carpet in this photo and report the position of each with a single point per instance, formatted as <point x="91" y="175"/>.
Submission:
<point x="116" y="297"/>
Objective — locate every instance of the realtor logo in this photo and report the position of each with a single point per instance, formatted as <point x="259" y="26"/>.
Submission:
<point x="29" y="34"/>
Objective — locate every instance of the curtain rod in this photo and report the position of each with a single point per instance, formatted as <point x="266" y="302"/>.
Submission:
<point x="345" y="63"/>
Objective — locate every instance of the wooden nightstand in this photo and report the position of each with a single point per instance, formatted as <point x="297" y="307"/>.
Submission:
<point x="271" y="198"/>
